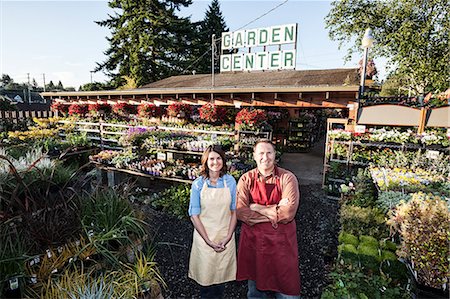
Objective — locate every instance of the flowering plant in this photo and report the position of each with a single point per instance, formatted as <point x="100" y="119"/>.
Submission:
<point x="60" y="107"/>
<point x="149" y="110"/>
<point x="212" y="113"/>
<point x="251" y="118"/>
<point x="423" y="226"/>
<point x="179" y="110"/>
<point x="97" y="107"/>
<point x="78" y="109"/>
<point x="124" y="108"/>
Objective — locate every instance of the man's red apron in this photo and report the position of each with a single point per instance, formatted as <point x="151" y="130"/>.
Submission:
<point x="267" y="255"/>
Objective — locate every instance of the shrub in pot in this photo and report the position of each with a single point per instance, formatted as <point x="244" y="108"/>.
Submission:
<point x="425" y="235"/>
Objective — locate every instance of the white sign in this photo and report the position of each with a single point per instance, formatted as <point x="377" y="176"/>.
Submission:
<point x="161" y="156"/>
<point x="275" y="35"/>
<point x="266" y="60"/>
<point x="360" y="129"/>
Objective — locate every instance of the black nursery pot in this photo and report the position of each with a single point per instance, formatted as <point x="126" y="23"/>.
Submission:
<point x="426" y="292"/>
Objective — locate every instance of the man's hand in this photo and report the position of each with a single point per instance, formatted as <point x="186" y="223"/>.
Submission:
<point x="268" y="211"/>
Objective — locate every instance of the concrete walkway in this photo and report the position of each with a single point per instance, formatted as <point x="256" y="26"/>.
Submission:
<point x="308" y="167"/>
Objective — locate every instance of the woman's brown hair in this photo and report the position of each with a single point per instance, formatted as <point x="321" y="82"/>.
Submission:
<point x="217" y="149"/>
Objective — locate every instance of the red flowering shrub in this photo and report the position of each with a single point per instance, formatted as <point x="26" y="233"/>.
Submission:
<point x="124" y="108"/>
<point x="106" y="108"/>
<point x="78" y="109"/>
<point x="149" y="110"/>
<point x="60" y="107"/>
<point x="179" y="110"/>
<point x="212" y="113"/>
<point x="251" y="118"/>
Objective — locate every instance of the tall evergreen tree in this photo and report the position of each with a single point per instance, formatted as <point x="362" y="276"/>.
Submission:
<point x="149" y="41"/>
<point x="213" y="23"/>
<point x="59" y="86"/>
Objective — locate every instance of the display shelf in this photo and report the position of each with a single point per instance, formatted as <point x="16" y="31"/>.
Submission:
<point x="111" y="170"/>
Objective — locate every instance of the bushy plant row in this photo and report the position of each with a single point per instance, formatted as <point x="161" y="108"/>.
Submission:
<point x="60" y="240"/>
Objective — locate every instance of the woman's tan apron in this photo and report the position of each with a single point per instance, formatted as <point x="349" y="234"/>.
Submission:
<point x="207" y="266"/>
<point x="268" y="255"/>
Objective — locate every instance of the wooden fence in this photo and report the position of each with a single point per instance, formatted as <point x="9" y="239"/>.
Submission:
<point x="18" y="116"/>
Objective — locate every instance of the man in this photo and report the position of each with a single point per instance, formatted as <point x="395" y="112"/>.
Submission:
<point x="267" y="201"/>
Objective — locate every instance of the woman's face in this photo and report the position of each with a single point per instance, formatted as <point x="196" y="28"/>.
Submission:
<point x="215" y="162"/>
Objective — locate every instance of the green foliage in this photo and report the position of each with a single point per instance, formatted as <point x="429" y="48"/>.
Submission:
<point x="346" y="238"/>
<point x="387" y="200"/>
<point x="12" y="254"/>
<point x="213" y="23"/>
<point x="367" y="221"/>
<point x="149" y="41"/>
<point x="365" y="191"/>
<point x="389" y="245"/>
<point x="425" y="236"/>
<point x="174" y="200"/>
<point x="417" y="45"/>
<point x="368" y="240"/>
<point x="351" y="281"/>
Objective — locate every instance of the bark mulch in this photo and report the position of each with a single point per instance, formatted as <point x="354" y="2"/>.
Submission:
<point x="317" y="231"/>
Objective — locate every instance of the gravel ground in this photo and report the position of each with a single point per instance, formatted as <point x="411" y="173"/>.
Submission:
<point x="317" y="241"/>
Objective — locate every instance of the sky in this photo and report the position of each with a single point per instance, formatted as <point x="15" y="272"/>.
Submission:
<point x="59" y="40"/>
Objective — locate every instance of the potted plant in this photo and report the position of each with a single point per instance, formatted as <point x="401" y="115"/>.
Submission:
<point x="78" y="109"/>
<point x="212" y="113"/>
<point x="179" y="110"/>
<point x="251" y="119"/>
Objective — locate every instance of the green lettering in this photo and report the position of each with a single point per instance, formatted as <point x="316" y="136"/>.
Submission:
<point x="276" y="35"/>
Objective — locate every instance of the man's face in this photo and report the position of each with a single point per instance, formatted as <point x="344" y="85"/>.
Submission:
<point x="264" y="156"/>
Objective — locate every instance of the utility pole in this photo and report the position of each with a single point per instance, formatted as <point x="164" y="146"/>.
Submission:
<point x="213" y="55"/>
<point x="43" y="77"/>
<point x="29" y="91"/>
<point x="91" y="76"/>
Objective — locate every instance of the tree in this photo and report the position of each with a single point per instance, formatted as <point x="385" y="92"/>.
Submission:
<point x="413" y="34"/>
<point x="5" y="80"/>
<point x="59" y="86"/>
<point x="213" y="23"/>
<point x="148" y="43"/>
<point x="34" y="84"/>
<point x="50" y="86"/>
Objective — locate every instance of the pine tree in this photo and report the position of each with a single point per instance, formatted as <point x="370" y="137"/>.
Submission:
<point x="59" y="86"/>
<point x="213" y="23"/>
<point x="149" y="41"/>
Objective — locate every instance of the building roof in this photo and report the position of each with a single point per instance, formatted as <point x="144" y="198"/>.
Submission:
<point x="269" y="79"/>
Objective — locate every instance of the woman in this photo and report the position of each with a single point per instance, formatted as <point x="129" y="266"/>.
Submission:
<point x="212" y="209"/>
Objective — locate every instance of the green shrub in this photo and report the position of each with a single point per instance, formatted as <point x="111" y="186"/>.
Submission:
<point x="365" y="191"/>
<point x="389" y="245"/>
<point x="174" y="200"/>
<point x="388" y="255"/>
<point x="368" y="240"/>
<point x="423" y="226"/>
<point x="347" y="248"/>
<point x="346" y="238"/>
<point x="365" y="221"/>
<point x="387" y="200"/>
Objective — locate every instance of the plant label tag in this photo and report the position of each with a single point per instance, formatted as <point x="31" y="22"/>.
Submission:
<point x="214" y="137"/>
<point x="360" y="129"/>
<point x="37" y="260"/>
<point x="432" y="154"/>
<point x="49" y="253"/>
<point x="161" y="156"/>
<point x="13" y="283"/>
<point x="169" y="156"/>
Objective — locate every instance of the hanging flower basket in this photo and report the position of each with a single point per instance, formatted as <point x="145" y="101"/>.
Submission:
<point x="251" y="119"/>
<point x="60" y="107"/>
<point x="212" y="113"/>
<point x="124" y="109"/>
<point x="78" y="109"/>
<point x="100" y="108"/>
<point x="149" y="110"/>
<point x="179" y="110"/>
